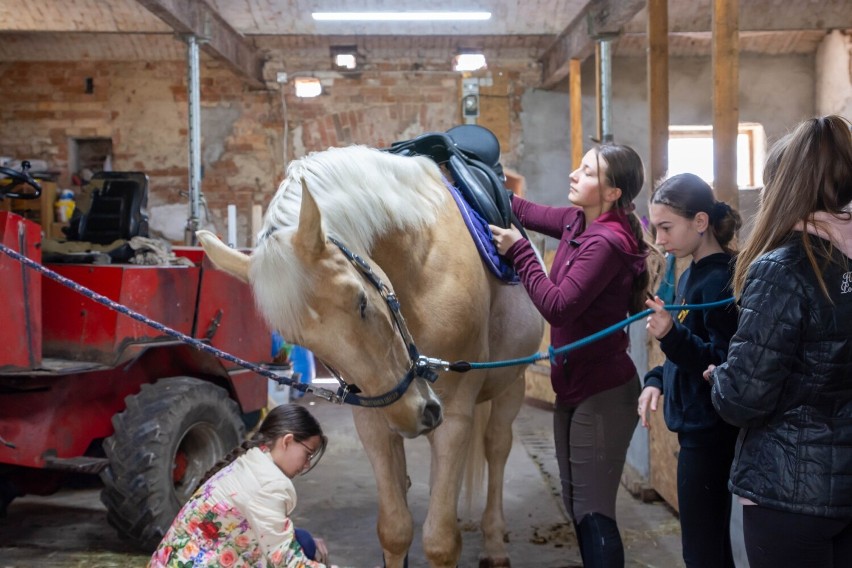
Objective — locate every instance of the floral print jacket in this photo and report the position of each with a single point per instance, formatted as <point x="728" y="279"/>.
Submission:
<point x="238" y="518"/>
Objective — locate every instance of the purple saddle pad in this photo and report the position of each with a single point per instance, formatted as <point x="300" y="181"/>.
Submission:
<point x="481" y="235"/>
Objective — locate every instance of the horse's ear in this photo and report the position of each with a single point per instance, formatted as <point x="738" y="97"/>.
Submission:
<point x="309" y="238"/>
<point x="224" y="257"/>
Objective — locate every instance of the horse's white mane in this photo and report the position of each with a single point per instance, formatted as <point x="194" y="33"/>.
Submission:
<point x="362" y="194"/>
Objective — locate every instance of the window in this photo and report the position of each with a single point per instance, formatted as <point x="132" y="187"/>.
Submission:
<point x="308" y="87"/>
<point x="691" y="150"/>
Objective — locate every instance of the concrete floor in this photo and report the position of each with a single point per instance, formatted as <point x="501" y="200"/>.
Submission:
<point x="337" y="502"/>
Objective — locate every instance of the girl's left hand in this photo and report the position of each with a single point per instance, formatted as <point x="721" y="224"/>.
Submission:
<point x="660" y="322"/>
<point x="707" y="373"/>
<point x="504" y="238"/>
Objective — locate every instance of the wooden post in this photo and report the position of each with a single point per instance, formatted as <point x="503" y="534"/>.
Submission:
<point x="658" y="90"/>
<point x="576" y="108"/>
<point x="725" y="99"/>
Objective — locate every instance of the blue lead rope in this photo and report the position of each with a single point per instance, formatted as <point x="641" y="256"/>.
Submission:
<point x="462" y="366"/>
<point x="458" y="366"/>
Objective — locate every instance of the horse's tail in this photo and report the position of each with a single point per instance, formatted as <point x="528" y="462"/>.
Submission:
<point x="474" y="472"/>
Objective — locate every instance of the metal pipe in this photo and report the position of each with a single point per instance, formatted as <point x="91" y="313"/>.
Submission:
<point x="606" y="90"/>
<point x="194" y="100"/>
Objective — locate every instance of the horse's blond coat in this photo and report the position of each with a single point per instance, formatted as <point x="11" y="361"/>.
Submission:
<point x="396" y="212"/>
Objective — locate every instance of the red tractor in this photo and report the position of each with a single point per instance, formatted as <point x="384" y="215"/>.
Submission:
<point x="87" y="390"/>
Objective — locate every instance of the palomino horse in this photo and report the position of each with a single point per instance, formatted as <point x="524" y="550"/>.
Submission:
<point x="397" y="215"/>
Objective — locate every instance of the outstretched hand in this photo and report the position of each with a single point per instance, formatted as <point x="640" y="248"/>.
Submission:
<point x="504" y="238"/>
<point x="660" y="322"/>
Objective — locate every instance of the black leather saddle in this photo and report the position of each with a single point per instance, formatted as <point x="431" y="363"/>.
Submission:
<point x="471" y="155"/>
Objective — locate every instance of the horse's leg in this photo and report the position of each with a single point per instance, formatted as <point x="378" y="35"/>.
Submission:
<point x="386" y="453"/>
<point x="441" y="535"/>
<point x="498" y="444"/>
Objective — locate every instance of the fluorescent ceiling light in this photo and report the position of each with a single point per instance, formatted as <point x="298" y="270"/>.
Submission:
<point x="399" y="16"/>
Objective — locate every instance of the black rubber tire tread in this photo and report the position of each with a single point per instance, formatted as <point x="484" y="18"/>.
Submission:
<point x="139" y="492"/>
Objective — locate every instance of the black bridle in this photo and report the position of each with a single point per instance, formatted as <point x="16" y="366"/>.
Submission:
<point x="420" y="366"/>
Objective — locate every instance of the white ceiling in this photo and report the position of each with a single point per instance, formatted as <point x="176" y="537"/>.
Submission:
<point x="547" y="30"/>
<point x="293" y="17"/>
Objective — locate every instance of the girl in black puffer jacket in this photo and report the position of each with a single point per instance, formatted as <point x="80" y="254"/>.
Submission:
<point x="787" y="382"/>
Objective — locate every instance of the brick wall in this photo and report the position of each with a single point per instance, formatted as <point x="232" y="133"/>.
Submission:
<point x="246" y="133"/>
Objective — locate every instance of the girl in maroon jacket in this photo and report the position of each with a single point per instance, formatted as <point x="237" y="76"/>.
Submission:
<point x="598" y="277"/>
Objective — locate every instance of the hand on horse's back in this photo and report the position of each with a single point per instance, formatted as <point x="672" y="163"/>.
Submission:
<point x="504" y="238"/>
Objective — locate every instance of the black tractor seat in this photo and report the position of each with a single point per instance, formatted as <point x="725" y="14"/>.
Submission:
<point x="111" y="210"/>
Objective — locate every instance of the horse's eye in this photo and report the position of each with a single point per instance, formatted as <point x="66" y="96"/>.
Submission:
<point x="362" y="305"/>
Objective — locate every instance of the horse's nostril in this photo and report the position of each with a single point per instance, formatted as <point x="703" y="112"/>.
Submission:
<point x="432" y="414"/>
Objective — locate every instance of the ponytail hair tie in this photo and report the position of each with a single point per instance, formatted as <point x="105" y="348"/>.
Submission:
<point x="719" y="211"/>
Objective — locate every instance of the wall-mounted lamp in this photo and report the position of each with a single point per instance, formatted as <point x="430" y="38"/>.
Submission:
<point x="469" y="61"/>
<point x="344" y="57"/>
<point x="307" y="87"/>
<point x="470" y="100"/>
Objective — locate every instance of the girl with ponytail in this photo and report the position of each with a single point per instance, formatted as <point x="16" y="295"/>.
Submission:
<point x="691" y="223"/>
<point x="599" y="275"/>
<point x="240" y="514"/>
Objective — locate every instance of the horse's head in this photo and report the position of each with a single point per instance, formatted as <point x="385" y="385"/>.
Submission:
<point x="308" y="290"/>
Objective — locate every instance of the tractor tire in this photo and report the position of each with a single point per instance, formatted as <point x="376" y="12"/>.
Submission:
<point x="164" y="442"/>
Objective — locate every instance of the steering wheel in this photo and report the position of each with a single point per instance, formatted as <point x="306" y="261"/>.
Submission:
<point x="18" y="178"/>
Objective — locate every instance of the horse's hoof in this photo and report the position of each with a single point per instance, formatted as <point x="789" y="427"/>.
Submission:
<point x="495" y="563"/>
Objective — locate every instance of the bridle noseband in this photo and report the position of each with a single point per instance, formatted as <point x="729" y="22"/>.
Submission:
<point x="421" y="366"/>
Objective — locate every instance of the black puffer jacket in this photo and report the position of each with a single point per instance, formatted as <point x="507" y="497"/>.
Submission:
<point x="787" y="383"/>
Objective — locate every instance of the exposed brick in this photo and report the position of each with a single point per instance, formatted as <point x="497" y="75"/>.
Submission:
<point x="142" y="107"/>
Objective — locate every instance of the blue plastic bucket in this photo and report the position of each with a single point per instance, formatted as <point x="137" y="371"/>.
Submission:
<point x="303" y="363"/>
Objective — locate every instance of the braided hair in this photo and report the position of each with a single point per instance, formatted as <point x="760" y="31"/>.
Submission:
<point x="281" y="420"/>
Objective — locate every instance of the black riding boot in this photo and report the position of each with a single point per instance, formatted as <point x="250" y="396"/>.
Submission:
<point x="600" y="542"/>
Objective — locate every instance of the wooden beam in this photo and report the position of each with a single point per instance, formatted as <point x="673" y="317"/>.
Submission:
<point x="778" y="16"/>
<point x="599" y="17"/>
<point x="658" y="89"/>
<point x="575" y="95"/>
<point x="217" y="37"/>
<point x="725" y="100"/>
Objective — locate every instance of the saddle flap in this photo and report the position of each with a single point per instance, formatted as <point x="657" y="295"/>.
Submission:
<point x="482" y="189"/>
